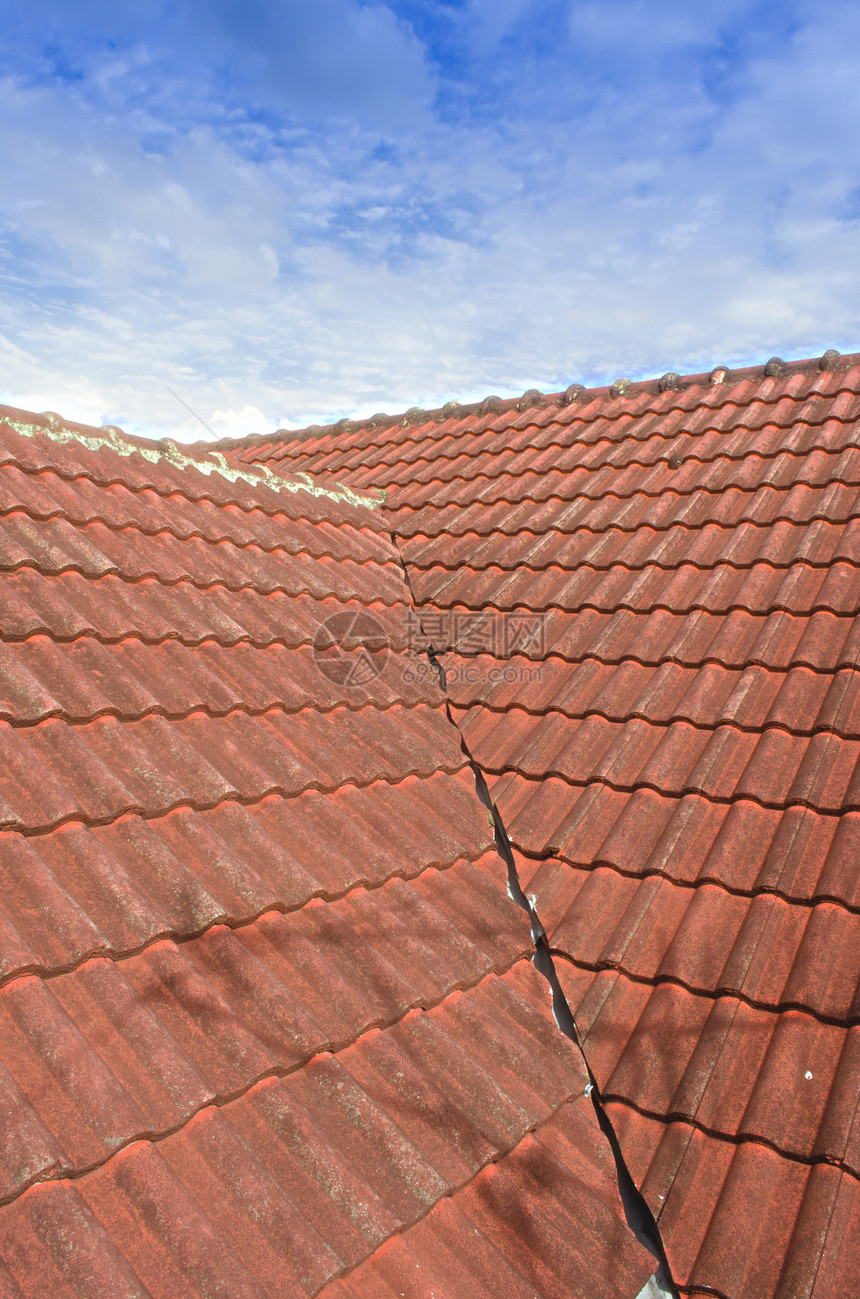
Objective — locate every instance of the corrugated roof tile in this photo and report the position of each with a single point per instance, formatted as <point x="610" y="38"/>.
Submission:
<point x="259" y="973"/>
<point x="674" y="761"/>
<point x="299" y="1157"/>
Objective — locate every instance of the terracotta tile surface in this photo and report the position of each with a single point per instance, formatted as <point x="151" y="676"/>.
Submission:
<point x="646" y="603"/>
<point x="564" y="1248"/>
<point x="305" y="1175"/>
<point x="267" y="1013"/>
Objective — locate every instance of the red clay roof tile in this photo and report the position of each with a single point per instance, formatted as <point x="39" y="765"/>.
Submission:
<point x="674" y="760"/>
<point x="264" y="1000"/>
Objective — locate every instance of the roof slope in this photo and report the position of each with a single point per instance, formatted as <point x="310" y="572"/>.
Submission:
<point x="647" y="597"/>
<point x="264" y="1003"/>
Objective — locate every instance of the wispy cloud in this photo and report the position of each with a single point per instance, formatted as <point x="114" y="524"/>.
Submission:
<point x="289" y="212"/>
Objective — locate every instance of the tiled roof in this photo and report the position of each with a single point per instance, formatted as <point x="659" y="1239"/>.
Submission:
<point x="673" y="751"/>
<point x="268" y="1020"/>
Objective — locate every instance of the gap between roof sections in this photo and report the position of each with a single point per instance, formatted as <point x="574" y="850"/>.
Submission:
<point x="640" y="1219"/>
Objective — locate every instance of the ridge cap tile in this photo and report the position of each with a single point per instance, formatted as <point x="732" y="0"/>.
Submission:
<point x="645" y="390"/>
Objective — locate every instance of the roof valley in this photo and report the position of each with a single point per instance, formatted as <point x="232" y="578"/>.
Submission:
<point x="639" y="1217"/>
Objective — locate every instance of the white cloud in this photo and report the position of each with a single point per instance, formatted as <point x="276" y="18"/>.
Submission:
<point x="287" y="267"/>
<point x="238" y="423"/>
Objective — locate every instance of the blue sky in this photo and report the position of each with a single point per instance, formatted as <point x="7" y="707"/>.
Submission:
<point x="292" y="211"/>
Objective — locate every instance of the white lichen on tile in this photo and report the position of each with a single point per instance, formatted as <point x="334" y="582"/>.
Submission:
<point x="210" y="462"/>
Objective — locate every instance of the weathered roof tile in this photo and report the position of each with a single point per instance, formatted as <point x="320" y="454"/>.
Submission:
<point x="265" y="1002"/>
<point x="675" y="761"/>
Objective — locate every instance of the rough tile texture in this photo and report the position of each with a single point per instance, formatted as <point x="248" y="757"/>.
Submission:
<point x="647" y="608"/>
<point x="267" y="1014"/>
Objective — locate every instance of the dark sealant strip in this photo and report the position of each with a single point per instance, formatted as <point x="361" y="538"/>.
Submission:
<point x="640" y="1219"/>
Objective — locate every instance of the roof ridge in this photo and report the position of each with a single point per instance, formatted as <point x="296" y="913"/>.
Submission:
<point x="203" y="456"/>
<point x="830" y="361"/>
